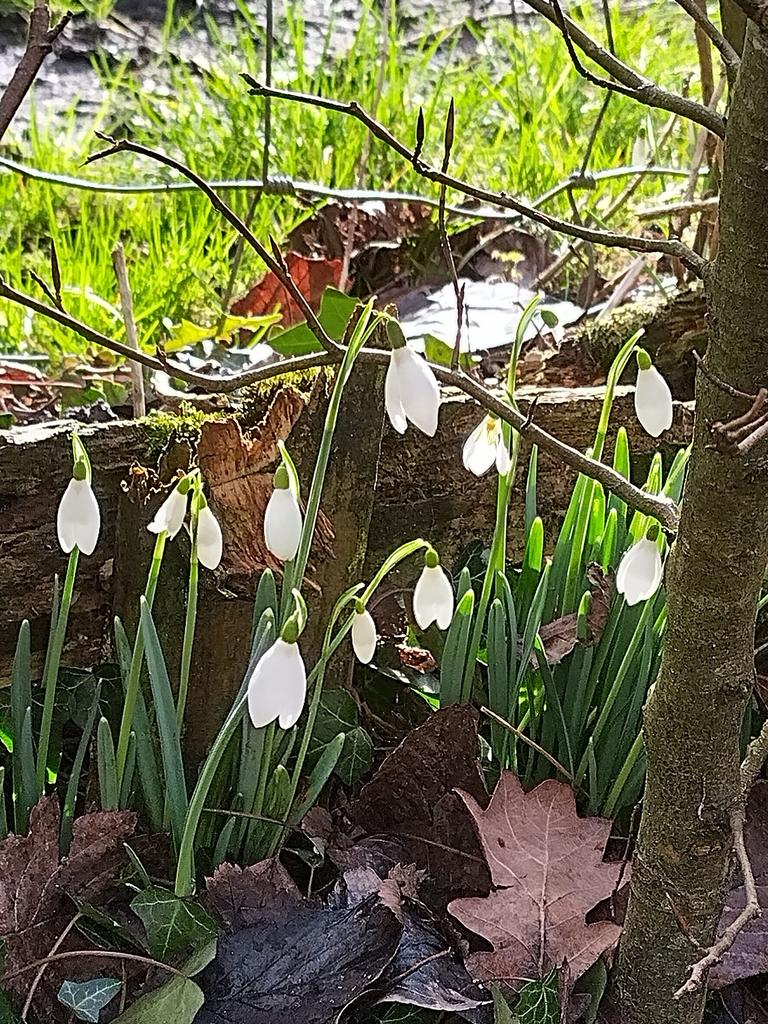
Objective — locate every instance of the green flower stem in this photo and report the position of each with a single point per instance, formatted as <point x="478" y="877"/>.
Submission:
<point x="189" y="621"/>
<point x="294" y="571"/>
<point x="266" y="761"/>
<point x="137" y="659"/>
<point x="52" y="668"/>
<point x="331" y="644"/>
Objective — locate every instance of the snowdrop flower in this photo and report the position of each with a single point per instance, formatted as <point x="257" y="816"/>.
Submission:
<point x="282" y="519"/>
<point x="277" y="688"/>
<point x="486" y="445"/>
<point x="653" y="399"/>
<point x="433" y="596"/>
<point x="169" y="518"/>
<point x="78" y="520"/>
<point x="210" y="545"/>
<point x="640" y="572"/>
<point x="411" y="391"/>
<point x="363" y="634"/>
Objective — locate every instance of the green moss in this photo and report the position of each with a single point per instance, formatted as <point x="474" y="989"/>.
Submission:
<point x="602" y="339"/>
<point x="185" y="425"/>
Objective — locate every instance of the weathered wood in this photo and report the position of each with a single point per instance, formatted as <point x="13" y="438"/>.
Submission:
<point x="421" y="490"/>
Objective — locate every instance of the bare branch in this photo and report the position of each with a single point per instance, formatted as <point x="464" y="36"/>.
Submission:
<point x="670" y="246"/>
<point x="126" y="145"/>
<point x="751" y="910"/>
<point x="658" y="506"/>
<point x="755" y="758"/>
<point x="445" y="242"/>
<point x="40" y="39"/>
<point x="640" y="89"/>
<point x="685" y="207"/>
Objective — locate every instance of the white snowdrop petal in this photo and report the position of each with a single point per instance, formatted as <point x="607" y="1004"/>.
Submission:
<point x="503" y="458"/>
<point x="640" y="572"/>
<point x="479" y="450"/>
<point x="419" y="390"/>
<point x="282" y="524"/>
<point x="364" y="637"/>
<point x="392" y="401"/>
<point x="78" y="520"/>
<point x="278" y="686"/>
<point x="210" y="544"/>
<point x="433" y="598"/>
<point x="170" y="516"/>
<point x="653" y="401"/>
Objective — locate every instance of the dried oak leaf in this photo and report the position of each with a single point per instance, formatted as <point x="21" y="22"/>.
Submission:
<point x="411" y="800"/>
<point x="547" y="866"/>
<point x="36" y="889"/>
<point x="311" y="276"/>
<point x="748" y="955"/>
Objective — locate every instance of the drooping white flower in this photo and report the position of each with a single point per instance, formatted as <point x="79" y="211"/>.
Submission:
<point x="78" y="520"/>
<point x="433" y="596"/>
<point x="364" y="636"/>
<point x="169" y="518"/>
<point x="282" y="519"/>
<point x="640" y="571"/>
<point x="653" y="399"/>
<point x="210" y="545"/>
<point x="277" y="688"/>
<point x="411" y="392"/>
<point x="486" y="445"/>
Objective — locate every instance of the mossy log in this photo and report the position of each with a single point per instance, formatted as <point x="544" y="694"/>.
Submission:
<point x="420" y="489"/>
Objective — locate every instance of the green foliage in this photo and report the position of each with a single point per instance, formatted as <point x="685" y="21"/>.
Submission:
<point x="87" y="999"/>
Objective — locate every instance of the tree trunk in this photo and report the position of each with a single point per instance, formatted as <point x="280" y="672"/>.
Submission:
<point x="694" y="712"/>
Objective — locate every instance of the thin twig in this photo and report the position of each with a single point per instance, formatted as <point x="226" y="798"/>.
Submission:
<point x="751" y="910"/>
<point x="642" y="90"/>
<point x="104" y="954"/>
<point x="684" y="206"/>
<point x="730" y="57"/>
<point x="445" y="242"/>
<point x="658" y="506"/>
<point x="527" y="739"/>
<point x="39" y="976"/>
<point x="754" y="759"/>
<point x="126" y="145"/>
<point x="729" y="389"/>
<point x="126" y="302"/>
<point x="40" y="39"/>
<point x="672" y="247"/>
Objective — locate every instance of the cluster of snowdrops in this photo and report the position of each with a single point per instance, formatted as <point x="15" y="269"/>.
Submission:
<point x="277" y="683"/>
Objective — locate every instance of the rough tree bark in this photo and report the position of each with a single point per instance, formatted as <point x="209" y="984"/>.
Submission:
<point x="693" y="716"/>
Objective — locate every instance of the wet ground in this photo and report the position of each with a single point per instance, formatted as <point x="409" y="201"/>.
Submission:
<point x="133" y="33"/>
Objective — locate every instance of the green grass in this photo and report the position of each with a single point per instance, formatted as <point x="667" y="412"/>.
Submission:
<point x="523" y="118"/>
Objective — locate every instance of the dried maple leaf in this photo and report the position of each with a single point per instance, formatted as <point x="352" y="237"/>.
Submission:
<point x="559" y="637"/>
<point x="36" y="889"/>
<point x="311" y="275"/>
<point x="547" y="866"/>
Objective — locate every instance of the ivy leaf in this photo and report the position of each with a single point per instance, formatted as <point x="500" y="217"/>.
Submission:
<point x="88" y="998"/>
<point x="356" y="756"/>
<point x="172" y="924"/>
<point x="175" y="1002"/>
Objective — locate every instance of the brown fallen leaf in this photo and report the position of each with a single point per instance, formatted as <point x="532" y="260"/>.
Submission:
<point x="547" y="866"/>
<point x="37" y="890"/>
<point x="748" y="956"/>
<point x="411" y="800"/>
<point x="559" y="637"/>
<point x="311" y="275"/>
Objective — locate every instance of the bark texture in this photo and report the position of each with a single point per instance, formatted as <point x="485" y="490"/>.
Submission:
<point x="694" y="713"/>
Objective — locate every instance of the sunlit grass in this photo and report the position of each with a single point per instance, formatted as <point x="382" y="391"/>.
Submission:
<point x="523" y="119"/>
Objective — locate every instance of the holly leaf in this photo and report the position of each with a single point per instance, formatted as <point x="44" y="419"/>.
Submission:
<point x="87" y="999"/>
<point x="547" y="867"/>
<point x="172" y="924"/>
